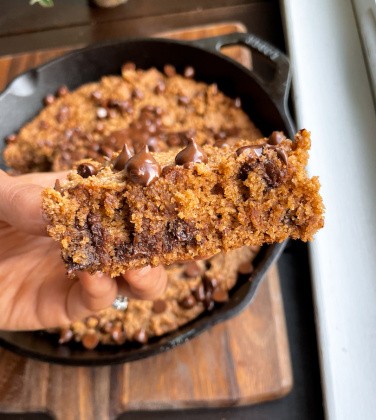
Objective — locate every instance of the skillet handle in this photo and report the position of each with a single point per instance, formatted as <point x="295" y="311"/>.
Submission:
<point x="278" y="87"/>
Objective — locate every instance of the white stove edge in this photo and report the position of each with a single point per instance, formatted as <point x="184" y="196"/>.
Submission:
<point x="333" y="100"/>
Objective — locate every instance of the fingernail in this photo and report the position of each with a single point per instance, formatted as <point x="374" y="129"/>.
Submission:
<point x="144" y="270"/>
<point x="99" y="274"/>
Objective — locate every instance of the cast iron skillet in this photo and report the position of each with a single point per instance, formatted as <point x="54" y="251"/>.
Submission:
<point x="263" y="93"/>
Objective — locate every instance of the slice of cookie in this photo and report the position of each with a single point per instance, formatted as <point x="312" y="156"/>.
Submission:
<point x="160" y="208"/>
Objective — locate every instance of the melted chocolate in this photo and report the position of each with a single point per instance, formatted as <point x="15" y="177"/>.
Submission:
<point x="276" y="137"/>
<point x="122" y="158"/>
<point x="252" y="151"/>
<point x="192" y="153"/>
<point x="142" y="168"/>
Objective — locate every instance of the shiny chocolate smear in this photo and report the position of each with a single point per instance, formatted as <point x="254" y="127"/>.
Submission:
<point x="283" y="156"/>
<point x="192" y="153"/>
<point x="85" y="170"/>
<point x="142" y="168"/>
<point x="251" y="151"/>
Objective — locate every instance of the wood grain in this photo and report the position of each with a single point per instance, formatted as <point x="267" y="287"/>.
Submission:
<point x="242" y="361"/>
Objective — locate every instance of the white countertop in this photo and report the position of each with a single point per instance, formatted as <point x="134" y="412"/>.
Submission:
<point x="333" y="100"/>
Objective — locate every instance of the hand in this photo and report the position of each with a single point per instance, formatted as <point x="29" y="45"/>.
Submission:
<point x="35" y="292"/>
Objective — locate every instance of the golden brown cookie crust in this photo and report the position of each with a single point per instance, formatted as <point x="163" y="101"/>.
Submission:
<point x="251" y="193"/>
<point x="95" y="120"/>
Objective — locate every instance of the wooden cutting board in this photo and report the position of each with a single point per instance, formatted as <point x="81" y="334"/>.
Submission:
<point x="242" y="361"/>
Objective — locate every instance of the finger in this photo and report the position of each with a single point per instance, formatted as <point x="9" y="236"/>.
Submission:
<point x="44" y="179"/>
<point x="20" y="201"/>
<point x="146" y="283"/>
<point x="90" y="294"/>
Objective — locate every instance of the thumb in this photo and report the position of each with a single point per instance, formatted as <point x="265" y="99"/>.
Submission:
<point x="21" y="203"/>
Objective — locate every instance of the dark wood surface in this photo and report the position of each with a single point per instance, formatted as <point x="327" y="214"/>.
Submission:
<point x="243" y="361"/>
<point x="80" y="12"/>
<point x="73" y="22"/>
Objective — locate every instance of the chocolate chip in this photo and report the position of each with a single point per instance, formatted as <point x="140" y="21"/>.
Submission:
<point x="276" y="137"/>
<point x="62" y="91"/>
<point x="209" y="282"/>
<point x="63" y="114"/>
<point x="221" y="143"/>
<point x="179" y="138"/>
<point x="152" y="128"/>
<point x="221" y="135"/>
<point x="49" y="99"/>
<point x="252" y="151"/>
<point x="173" y="140"/>
<point x="209" y="303"/>
<point x="192" y="153"/>
<point x="148" y="108"/>
<point x="122" y="158"/>
<point x="246" y="168"/>
<point x="283" y="156"/>
<point x="217" y="189"/>
<point x="137" y="94"/>
<point x="238" y="103"/>
<point x="189" y="72"/>
<point x="112" y="113"/>
<point x="192" y="269"/>
<point x="10" y="139"/>
<point x="106" y="151"/>
<point x="169" y="70"/>
<point x="43" y="125"/>
<point x="107" y="327"/>
<point x="66" y="334"/>
<point x="220" y="296"/>
<point x="128" y="66"/>
<point x="183" y="100"/>
<point x="199" y="293"/>
<point x="99" y="127"/>
<point x="85" y="170"/>
<point x="118" y="335"/>
<point x="102" y="113"/>
<point x="118" y="138"/>
<point x="160" y="87"/>
<point x="188" y="302"/>
<point x="153" y="144"/>
<point x="96" y="96"/>
<point x="124" y="106"/>
<point x="245" y="268"/>
<point x="57" y="186"/>
<point x="179" y="231"/>
<point x="142" y="168"/>
<point x="159" y="306"/>
<point x="232" y="132"/>
<point x="141" y="336"/>
<point x="273" y="175"/>
<point x="213" y="89"/>
<point x="90" y="340"/>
